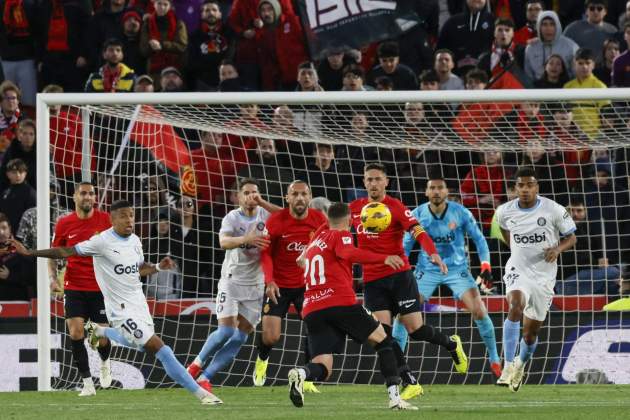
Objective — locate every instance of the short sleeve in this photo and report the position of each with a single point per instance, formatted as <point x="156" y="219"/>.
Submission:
<point x="92" y="247"/>
<point x="58" y="238"/>
<point x="563" y="220"/>
<point x="500" y="214"/>
<point x="228" y="225"/>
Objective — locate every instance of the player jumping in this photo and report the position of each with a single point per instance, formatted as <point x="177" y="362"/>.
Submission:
<point x="118" y="265"/>
<point x="448" y="223"/>
<point x="331" y="311"/>
<point x="390" y="291"/>
<point x="241" y="288"/>
<point x="532" y="225"/>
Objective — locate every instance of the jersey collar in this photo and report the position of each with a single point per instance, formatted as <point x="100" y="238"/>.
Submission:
<point x="518" y="205"/>
<point x="441" y="216"/>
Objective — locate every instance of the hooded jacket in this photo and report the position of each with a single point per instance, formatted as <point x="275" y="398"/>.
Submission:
<point x="537" y="52"/>
<point x="467" y="35"/>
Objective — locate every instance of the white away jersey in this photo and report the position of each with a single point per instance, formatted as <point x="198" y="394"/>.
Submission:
<point x="531" y="231"/>
<point x="242" y="265"/>
<point x="117" y="262"/>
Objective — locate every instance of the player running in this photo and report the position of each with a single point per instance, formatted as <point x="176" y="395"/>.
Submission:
<point x="389" y="292"/>
<point x="241" y="288"/>
<point x="447" y="223"/>
<point x="532" y="225"/>
<point x="290" y="230"/>
<point x="82" y="297"/>
<point x="331" y="311"/>
<point x="118" y="265"/>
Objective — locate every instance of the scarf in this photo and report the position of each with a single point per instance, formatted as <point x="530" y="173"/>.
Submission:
<point x="110" y="77"/>
<point x="495" y="57"/>
<point x="14" y="19"/>
<point x="58" y="29"/>
<point x="161" y="59"/>
<point x="8" y="129"/>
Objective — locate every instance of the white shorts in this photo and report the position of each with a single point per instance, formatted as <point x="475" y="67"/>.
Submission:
<point x="538" y="296"/>
<point x="136" y="328"/>
<point x="234" y="299"/>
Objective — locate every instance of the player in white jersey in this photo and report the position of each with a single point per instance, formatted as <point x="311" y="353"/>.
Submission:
<point x="118" y="265"/>
<point x="241" y="287"/>
<point x="538" y="230"/>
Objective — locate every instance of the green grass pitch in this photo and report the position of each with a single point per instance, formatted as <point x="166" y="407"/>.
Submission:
<point x="363" y="402"/>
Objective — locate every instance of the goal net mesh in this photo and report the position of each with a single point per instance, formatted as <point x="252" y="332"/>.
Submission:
<point x="178" y="165"/>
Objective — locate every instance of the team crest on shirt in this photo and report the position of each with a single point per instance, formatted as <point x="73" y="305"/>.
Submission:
<point x="452" y="225"/>
<point x="266" y="308"/>
<point x="541" y="221"/>
<point x="137" y="334"/>
<point x="346" y="240"/>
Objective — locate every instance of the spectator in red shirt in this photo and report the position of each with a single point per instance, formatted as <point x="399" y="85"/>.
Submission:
<point x="527" y="32"/>
<point x="281" y="46"/>
<point x="483" y="189"/>
<point x="524" y="123"/>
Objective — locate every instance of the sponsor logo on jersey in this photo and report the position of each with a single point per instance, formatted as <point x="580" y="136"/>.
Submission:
<point x="126" y="269"/>
<point x="296" y="247"/>
<point x="318" y="295"/>
<point x="534" y="238"/>
<point x="361" y="231"/>
<point x="444" y="239"/>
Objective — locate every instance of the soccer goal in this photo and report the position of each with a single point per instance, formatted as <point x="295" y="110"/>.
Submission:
<point x="176" y="157"/>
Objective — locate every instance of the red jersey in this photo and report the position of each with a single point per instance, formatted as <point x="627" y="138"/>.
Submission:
<point x="69" y="231"/>
<point x="388" y="242"/>
<point x="289" y="237"/>
<point x="328" y="271"/>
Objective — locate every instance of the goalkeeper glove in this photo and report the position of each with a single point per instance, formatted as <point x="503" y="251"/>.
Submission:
<point x="484" y="279"/>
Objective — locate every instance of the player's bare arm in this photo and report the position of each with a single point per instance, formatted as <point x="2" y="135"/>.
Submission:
<point x="250" y="238"/>
<point x="552" y="253"/>
<point x="56" y="253"/>
<point x="147" y="269"/>
<point x="270" y="207"/>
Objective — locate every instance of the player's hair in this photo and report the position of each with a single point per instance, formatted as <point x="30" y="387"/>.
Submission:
<point x="78" y="184"/>
<point x="375" y="165"/>
<point x="525" y="171"/>
<point x="120" y="204"/>
<point x="295" y="182"/>
<point x="436" y="176"/>
<point x="244" y="181"/>
<point x="320" y="203"/>
<point x="338" y="211"/>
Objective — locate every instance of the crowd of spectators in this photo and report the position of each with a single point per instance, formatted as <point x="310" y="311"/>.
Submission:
<point x="255" y="45"/>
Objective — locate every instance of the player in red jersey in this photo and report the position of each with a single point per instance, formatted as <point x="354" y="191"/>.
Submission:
<point x="331" y="311"/>
<point x="290" y="230"/>
<point x="82" y="297"/>
<point x="389" y="292"/>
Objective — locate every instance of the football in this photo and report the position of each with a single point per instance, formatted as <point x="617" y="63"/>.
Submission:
<point x="375" y="217"/>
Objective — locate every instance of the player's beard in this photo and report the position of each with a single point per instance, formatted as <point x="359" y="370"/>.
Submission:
<point x="299" y="209"/>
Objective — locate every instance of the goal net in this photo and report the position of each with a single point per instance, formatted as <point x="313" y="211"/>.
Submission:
<point x="177" y="157"/>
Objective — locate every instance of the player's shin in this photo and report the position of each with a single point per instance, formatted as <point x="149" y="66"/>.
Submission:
<point x="80" y="356"/>
<point x="226" y="354"/>
<point x="399" y="333"/>
<point x="105" y="350"/>
<point x="315" y="372"/>
<point x="433" y="335"/>
<point x="403" y="369"/>
<point x="177" y="372"/>
<point x="527" y="350"/>
<point x="213" y="343"/>
<point x="389" y="368"/>
<point x="511" y="334"/>
<point x="486" y="331"/>
<point x="263" y="349"/>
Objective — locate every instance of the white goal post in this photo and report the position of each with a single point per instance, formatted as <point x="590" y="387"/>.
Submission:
<point x="209" y="112"/>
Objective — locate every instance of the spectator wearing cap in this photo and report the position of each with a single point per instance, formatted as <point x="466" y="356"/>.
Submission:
<point x="555" y="74"/>
<point x="468" y="35"/>
<point x="528" y="31"/>
<point x="592" y="31"/>
<point x="18" y="36"/>
<point x="281" y="46"/>
<point x="64" y="31"/>
<point x="18" y="196"/>
<point x="105" y="24"/>
<point x="163" y="39"/>
<point x="586" y="113"/>
<point x="144" y="83"/>
<point x="330" y="69"/>
<point x="10" y="113"/>
<point x="389" y="65"/>
<point x="208" y="46"/>
<point x="114" y="75"/>
<point x="621" y="66"/>
<point x="443" y="66"/>
<point x="24" y="148"/>
<point x="550" y="41"/>
<point x="132" y="22"/>
<point x="171" y="80"/>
